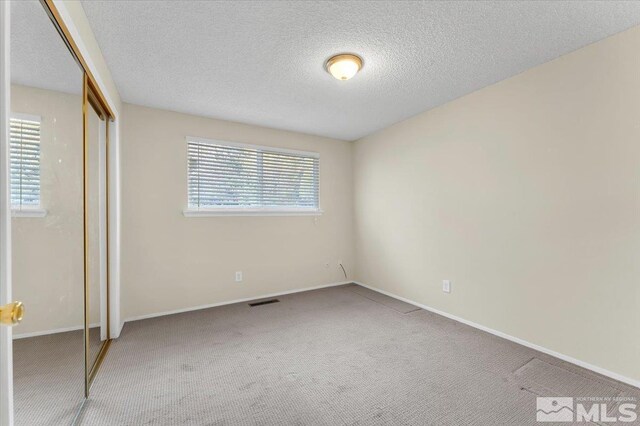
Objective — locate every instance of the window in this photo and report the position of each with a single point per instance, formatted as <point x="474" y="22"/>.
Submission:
<point x="25" y="162"/>
<point x="226" y="177"/>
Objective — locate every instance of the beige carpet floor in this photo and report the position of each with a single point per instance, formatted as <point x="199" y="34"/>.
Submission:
<point x="336" y="356"/>
<point x="48" y="378"/>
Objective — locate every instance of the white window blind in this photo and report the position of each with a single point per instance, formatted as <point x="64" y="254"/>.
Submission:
<point x="25" y="162"/>
<point x="228" y="176"/>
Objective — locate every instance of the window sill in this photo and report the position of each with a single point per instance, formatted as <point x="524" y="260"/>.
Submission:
<point x="250" y="212"/>
<point x="29" y="213"/>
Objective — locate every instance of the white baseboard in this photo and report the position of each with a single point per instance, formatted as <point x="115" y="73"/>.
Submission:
<point x="54" y="331"/>
<point x="230" y="302"/>
<point x="538" y="348"/>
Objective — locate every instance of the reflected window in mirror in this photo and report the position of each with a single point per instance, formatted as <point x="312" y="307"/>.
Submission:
<point x="25" y="163"/>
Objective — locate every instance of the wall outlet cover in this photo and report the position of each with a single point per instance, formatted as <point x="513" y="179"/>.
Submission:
<point x="238" y="276"/>
<point x="446" y="286"/>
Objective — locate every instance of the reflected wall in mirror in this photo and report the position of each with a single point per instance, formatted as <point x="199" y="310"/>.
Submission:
<point x="47" y="225"/>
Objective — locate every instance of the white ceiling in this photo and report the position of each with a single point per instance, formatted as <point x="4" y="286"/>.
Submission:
<point x="261" y="62"/>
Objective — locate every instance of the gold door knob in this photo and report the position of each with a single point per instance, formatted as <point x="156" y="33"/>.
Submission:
<point x="11" y="313"/>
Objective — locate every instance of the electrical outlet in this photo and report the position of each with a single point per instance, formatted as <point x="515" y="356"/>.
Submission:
<point x="446" y="286"/>
<point x="238" y="276"/>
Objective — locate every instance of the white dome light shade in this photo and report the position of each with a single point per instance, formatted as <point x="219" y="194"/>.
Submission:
<point x="344" y="66"/>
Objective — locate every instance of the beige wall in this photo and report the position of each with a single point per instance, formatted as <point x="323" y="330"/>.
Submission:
<point x="526" y="195"/>
<point x="173" y="262"/>
<point x="47" y="256"/>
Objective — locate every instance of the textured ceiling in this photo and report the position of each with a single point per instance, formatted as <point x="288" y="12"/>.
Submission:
<point x="39" y="57"/>
<point x="262" y="62"/>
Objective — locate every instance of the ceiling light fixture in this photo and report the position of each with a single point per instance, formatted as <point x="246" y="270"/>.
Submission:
<point x="344" y="66"/>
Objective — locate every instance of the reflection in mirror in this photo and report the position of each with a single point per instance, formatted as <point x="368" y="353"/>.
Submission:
<point x="47" y="225"/>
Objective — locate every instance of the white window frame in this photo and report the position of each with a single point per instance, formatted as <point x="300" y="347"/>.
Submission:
<point x="266" y="211"/>
<point x="22" y="211"/>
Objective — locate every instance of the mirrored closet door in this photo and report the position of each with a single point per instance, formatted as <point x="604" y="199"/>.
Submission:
<point x="96" y="222"/>
<point x="59" y="188"/>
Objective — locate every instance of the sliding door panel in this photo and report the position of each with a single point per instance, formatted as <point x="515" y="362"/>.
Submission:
<point x="47" y="219"/>
<point x="96" y="287"/>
